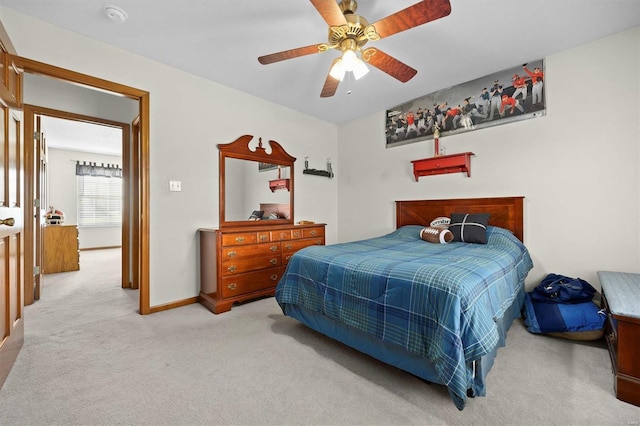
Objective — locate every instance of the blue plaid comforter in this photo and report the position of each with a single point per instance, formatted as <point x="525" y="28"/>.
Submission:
<point x="440" y="301"/>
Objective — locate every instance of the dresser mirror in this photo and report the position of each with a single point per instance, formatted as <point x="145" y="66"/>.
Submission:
<point x="256" y="183"/>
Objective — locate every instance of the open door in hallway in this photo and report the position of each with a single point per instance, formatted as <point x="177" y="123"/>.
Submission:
<point x="11" y="216"/>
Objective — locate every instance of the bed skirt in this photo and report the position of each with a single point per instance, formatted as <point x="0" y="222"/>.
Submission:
<point x="397" y="356"/>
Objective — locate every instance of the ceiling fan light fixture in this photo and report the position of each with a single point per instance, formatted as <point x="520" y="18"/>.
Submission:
<point x="348" y="62"/>
<point x="338" y="70"/>
<point x="360" y="70"/>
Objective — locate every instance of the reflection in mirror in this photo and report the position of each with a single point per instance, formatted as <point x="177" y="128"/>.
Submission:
<point x="247" y="191"/>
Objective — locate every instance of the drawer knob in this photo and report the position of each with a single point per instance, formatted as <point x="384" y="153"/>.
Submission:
<point x="232" y="268"/>
<point x="319" y="242"/>
<point x="239" y="239"/>
<point x="263" y="237"/>
<point x="274" y="277"/>
<point x="313" y="232"/>
<point x="232" y="286"/>
<point x="274" y="261"/>
<point x="232" y="253"/>
<point x="274" y="247"/>
<point x="289" y="246"/>
<point x="296" y="234"/>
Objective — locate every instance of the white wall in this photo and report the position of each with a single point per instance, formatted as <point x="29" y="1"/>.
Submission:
<point x="47" y="92"/>
<point x="62" y="195"/>
<point x="578" y="167"/>
<point x="189" y="116"/>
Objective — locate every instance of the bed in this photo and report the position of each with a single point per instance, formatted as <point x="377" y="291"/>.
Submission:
<point x="438" y="311"/>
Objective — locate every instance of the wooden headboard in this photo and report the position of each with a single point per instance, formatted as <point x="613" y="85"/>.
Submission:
<point x="505" y="212"/>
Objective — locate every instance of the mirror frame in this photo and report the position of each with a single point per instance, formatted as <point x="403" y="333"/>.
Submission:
<point x="239" y="149"/>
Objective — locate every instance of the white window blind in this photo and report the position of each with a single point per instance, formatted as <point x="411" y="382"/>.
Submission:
<point x="99" y="201"/>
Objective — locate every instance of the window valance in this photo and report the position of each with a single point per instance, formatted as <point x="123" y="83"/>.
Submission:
<point x="93" y="169"/>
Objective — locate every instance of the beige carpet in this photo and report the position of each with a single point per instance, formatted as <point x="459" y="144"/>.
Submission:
<point x="90" y="359"/>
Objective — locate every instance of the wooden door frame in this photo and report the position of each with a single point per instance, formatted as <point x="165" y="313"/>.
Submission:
<point x="142" y="187"/>
<point x="135" y="200"/>
<point x="127" y="173"/>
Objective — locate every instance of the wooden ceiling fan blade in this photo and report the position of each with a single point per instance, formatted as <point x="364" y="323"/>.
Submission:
<point x="289" y="54"/>
<point x="412" y="16"/>
<point x="389" y="64"/>
<point x="330" y="86"/>
<point x="330" y="12"/>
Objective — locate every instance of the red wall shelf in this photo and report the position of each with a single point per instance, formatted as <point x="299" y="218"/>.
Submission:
<point x="279" y="184"/>
<point x="441" y="164"/>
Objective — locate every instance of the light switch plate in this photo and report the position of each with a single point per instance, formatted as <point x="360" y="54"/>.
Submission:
<point x="175" y="186"/>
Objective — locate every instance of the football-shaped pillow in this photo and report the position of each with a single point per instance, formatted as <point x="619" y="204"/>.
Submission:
<point x="436" y="235"/>
<point x="440" y="222"/>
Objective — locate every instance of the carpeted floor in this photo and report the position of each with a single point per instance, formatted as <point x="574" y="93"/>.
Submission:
<point x="90" y="359"/>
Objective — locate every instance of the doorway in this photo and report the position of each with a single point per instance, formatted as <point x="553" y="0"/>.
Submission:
<point x="85" y="182"/>
<point x="136" y="213"/>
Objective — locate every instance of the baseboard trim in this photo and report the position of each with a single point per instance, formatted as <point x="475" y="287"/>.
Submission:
<point x="172" y="305"/>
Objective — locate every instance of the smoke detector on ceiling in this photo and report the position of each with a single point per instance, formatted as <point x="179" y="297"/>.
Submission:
<point x="116" y="14"/>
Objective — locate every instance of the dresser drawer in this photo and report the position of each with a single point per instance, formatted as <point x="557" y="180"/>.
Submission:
<point x="239" y="266"/>
<point x="313" y="232"/>
<point x="293" y="246"/>
<point x="290" y="247"/>
<point x="239" y="238"/>
<point x="281" y="235"/>
<point x="246" y="283"/>
<point x="230" y="253"/>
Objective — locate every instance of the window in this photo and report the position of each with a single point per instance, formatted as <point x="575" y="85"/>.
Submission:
<point x="99" y="201"/>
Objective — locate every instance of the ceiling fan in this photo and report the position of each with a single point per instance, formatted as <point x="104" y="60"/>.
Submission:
<point x="349" y="33"/>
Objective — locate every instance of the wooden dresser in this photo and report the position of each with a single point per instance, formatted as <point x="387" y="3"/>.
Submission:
<point x="621" y="300"/>
<point x="61" y="249"/>
<point x="239" y="264"/>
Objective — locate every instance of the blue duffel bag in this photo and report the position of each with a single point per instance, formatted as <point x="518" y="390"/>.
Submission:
<point x="545" y="317"/>
<point x="563" y="306"/>
<point x="562" y="289"/>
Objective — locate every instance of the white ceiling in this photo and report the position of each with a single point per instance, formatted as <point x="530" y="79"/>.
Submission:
<point x="80" y="136"/>
<point x="221" y="40"/>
